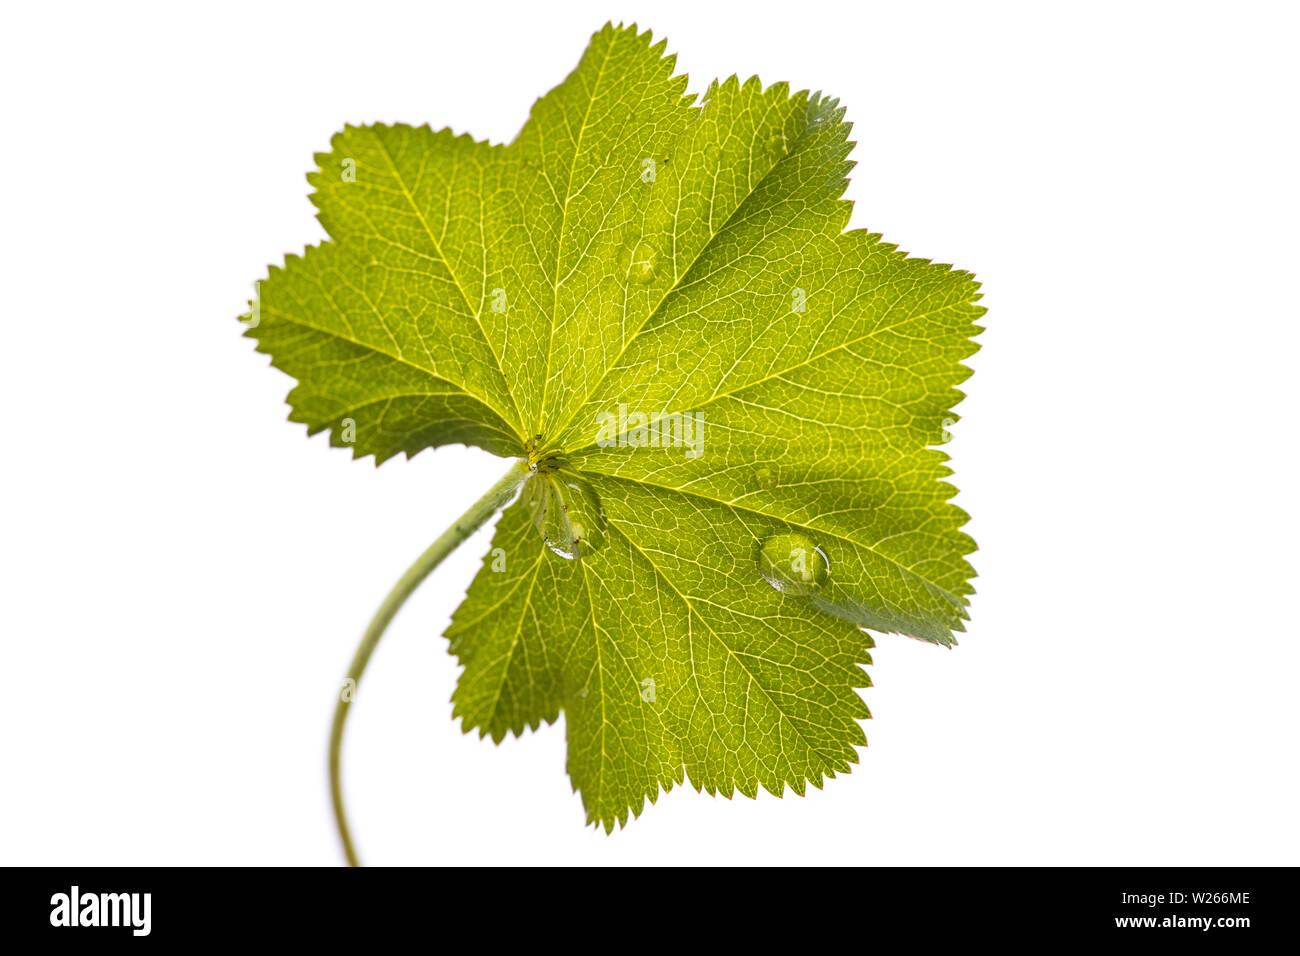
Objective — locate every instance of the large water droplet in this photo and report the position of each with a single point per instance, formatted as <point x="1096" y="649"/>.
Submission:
<point x="792" y="563"/>
<point x="567" y="512"/>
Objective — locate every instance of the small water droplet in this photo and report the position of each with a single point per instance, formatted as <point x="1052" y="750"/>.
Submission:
<point x="793" y="564"/>
<point x="568" y="513"/>
<point x="644" y="259"/>
<point x="778" y="145"/>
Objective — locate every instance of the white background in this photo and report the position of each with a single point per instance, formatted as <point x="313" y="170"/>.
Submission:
<point x="185" y="574"/>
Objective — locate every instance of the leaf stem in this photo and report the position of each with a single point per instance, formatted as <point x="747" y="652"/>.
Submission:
<point x="447" y="542"/>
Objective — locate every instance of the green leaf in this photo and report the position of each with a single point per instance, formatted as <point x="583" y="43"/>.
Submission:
<point x="637" y="258"/>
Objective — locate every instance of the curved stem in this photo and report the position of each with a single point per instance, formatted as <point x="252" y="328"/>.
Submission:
<point x="447" y="542"/>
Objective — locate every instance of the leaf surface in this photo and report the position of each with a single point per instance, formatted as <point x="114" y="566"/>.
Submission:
<point x="635" y="259"/>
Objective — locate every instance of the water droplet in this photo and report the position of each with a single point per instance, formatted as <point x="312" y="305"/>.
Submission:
<point x="792" y="564"/>
<point x="778" y="145"/>
<point x="644" y="259"/>
<point x="568" y="513"/>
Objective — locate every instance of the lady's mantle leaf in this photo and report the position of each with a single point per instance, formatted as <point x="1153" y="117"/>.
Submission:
<point x="655" y="302"/>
